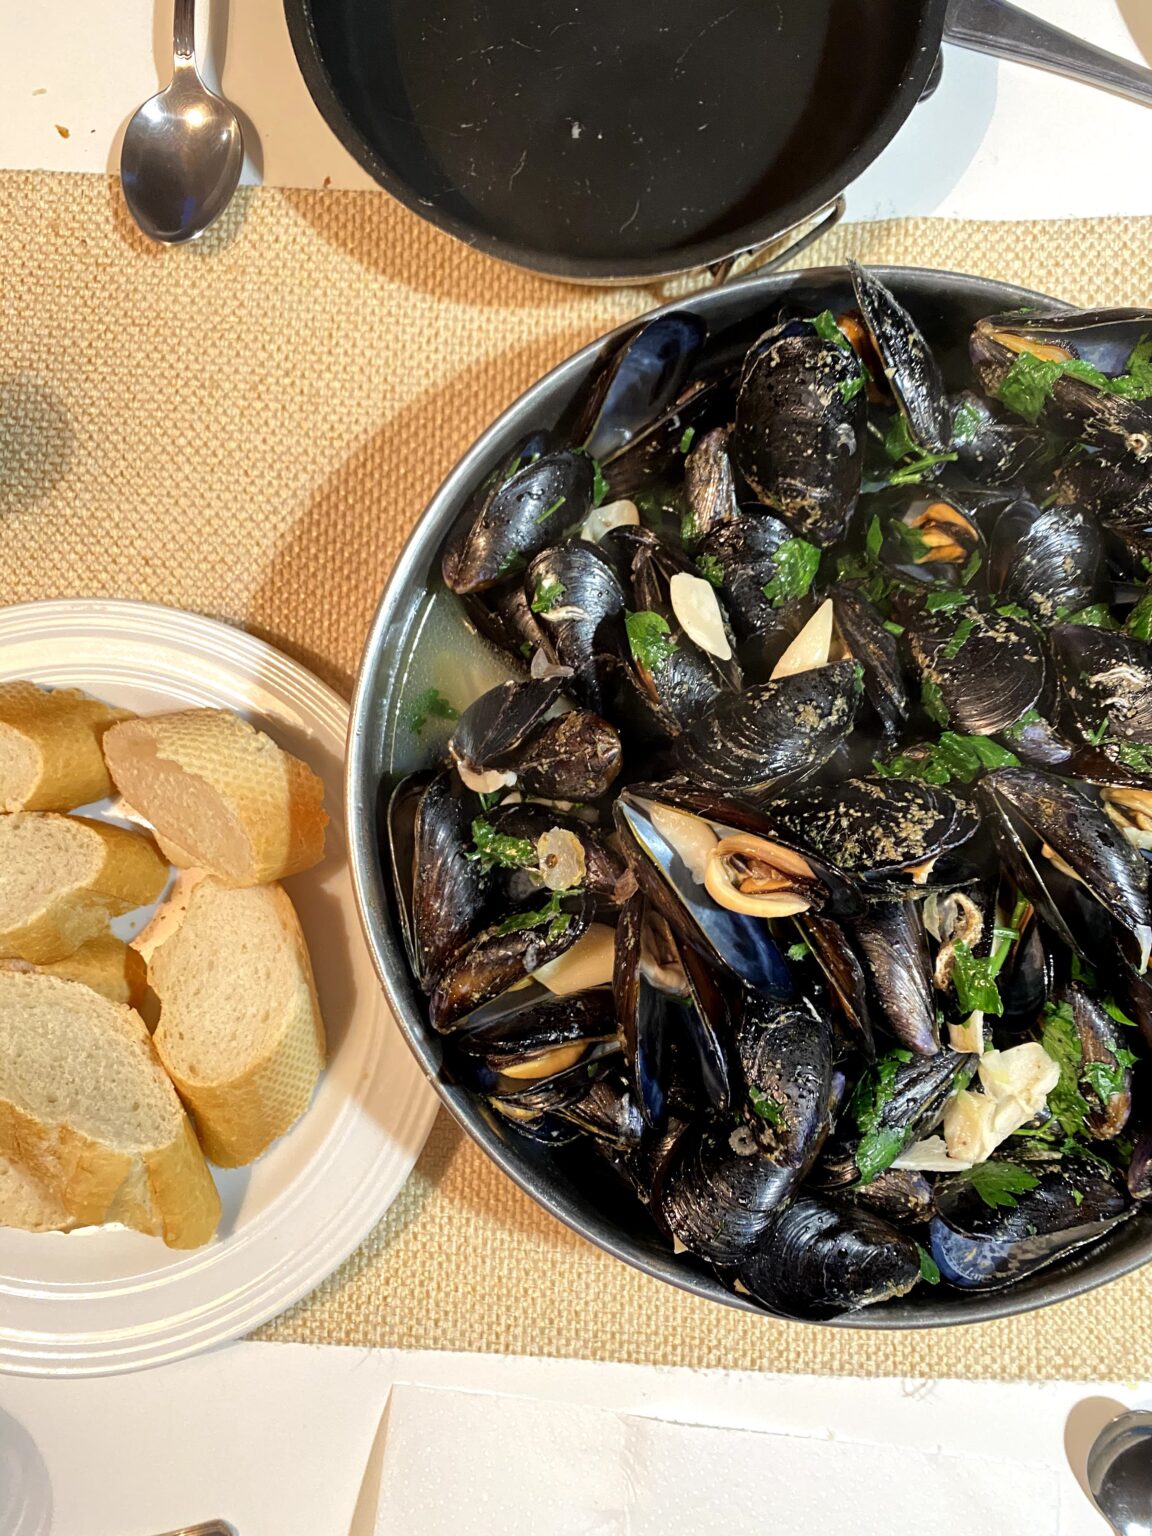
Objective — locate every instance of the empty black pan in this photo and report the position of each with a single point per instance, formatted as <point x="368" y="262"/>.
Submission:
<point x="603" y="140"/>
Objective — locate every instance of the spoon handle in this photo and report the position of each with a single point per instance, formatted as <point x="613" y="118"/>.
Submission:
<point x="184" y="31"/>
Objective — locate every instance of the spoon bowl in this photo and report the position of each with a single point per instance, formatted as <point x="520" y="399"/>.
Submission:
<point x="1119" y="1472"/>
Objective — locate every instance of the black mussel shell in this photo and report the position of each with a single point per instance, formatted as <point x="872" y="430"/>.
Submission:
<point x="785" y="1052"/>
<point x="1027" y="811"/>
<point x="578" y="605"/>
<point x="741" y="944"/>
<point x="603" y="868"/>
<point x="642" y="380"/>
<point x="575" y="756"/>
<point x="1036" y="741"/>
<point x="1106" y="679"/>
<point x="708" y="1022"/>
<point x="910" y="369"/>
<point x="798" y="438"/>
<point x="993" y="448"/>
<point x="709" y="487"/>
<point x="986" y="667"/>
<point x="820" y="1259"/>
<point x="492" y="731"/>
<point x="446" y="891"/>
<point x="980" y="1247"/>
<point x="1140" y="1165"/>
<point x="721" y="1189"/>
<point x="1026" y="982"/>
<point x="765" y="738"/>
<point x="898" y="1195"/>
<point x="533" y="509"/>
<point x="840" y="967"/>
<point x="875" y="828"/>
<point x="1117" y="493"/>
<point x="607" y="1113"/>
<point x="642" y="1010"/>
<point x="935" y="538"/>
<point x="894" y="947"/>
<point x="1105" y="1077"/>
<point x="874" y="647"/>
<point x="1045" y="560"/>
<point x="523" y="1028"/>
<point x="745" y="556"/>
<point x="542" y="1128"/>
<point x="496" y="960"/>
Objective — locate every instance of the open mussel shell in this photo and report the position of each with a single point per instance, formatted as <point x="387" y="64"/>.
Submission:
<point x="1047" y="560"/>
<point x="1033" y="817"/>
<point x="1106" y="680"/>
<point x="501" y="956"/>
<point x="1026" y="982"/>
<point x="709" y="487"/>
<point x="892" y="942"/>
<point x="1116" y="492"/>
<point x="746" y="558"/>
<point x="641" y="381"/>
<point x="721" y="1189"/>
<point x="763" y="739"/>
<point x="740" y="943"/>
<point x="494" y="728"/>
<point x="530" y="1035"/>
<point x="821" y="1258"/>
<point x="525" y="514"/>
<point x="1105" y="1083"/>
<point x="529" y="821"/>
<point x="643" y="1008"/>
<point x="993" y="448"/>
<point x="886" y="832"/>
<point x="441" y="893"/>
<point x="934" y="538"/>
<point x="987" y="667"/>
<point x="798" y="437"/>
<point x="979" y="1247"/>
<point x="578" y="605"/>
<point x="863" y="634"/>
<point x="839" y="965"/>
<point x="898" y="1195"/>
<point x="911" y="371"/>
<point x="608" y="1113"/>
<point x="786" y="1057"/>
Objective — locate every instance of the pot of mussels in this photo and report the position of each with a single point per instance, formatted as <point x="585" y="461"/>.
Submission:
<point x="750" y="795"/>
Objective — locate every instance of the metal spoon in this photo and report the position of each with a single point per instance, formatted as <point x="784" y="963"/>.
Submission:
<point x="1119" y="1472"/>
<point x="183" y="150"/>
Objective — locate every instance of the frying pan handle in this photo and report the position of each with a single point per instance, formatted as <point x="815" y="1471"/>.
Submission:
<point x="1007" y="32"/>
<point x="780" y="249"/>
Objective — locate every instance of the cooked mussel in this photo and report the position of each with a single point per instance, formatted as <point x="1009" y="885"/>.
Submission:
<point x="978" y="1246"/>
<point x="910" y="370"/>
<point x="642" y="380"/>
<point x="798" y="437"/>
<point x="523" y="515"/>
<point x="1107" y="682"/>
<point x="981" y="669"/>
<point x="894" y="946"/>
<point x="898" y="1195"/>
<point x="993" y="448"/>
<point x="1048" y="561"/>
<point x="822" y="1258"/>
<point x="709" y="487"/>
<point x="493" y="730"/>
<point x="1105" y="1077"/>
<point x="1117" y="493"/>
<point x="578" y="605"/>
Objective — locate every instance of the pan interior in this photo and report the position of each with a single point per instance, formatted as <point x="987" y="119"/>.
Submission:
<point x="603" y="132"/>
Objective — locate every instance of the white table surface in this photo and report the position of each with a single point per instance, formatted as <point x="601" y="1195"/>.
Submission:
<point x="997" y="141"/>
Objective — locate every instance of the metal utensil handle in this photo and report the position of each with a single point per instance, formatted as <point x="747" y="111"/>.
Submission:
<point x="184" y="31"/>
<point x="780" y="248"/>
<point x="1007" y="32"/>
<point x="207" y="1527"/>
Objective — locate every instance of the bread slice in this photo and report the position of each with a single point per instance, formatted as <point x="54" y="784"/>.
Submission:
<point x="63" y="877"/>
<point x="27" y="1204"/>
<point x="87" y="1111"/>
<point x="50" y="748"/>
<point x="240" y="1031"/>
<point x="220" y="795"/>
<point x="106" y="964"/>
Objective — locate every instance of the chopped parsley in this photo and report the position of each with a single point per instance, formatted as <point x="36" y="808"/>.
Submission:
<point x="1139" y="624"/>
<point x="549" y="592"/>
<point x="1029" y="717"/>
<point x="975" y="982"/>
<point x="952" y="758"/>
<point x="1061" y="1041"/>
<point x="1133" y="755"/>
<point x="956" y="643"/>
<point x="797" y="562"/>
<point x="824" y="324"/>
<point x="880" y="1144"/>
<point x="689" y="527"/>
<point x="1094" y="738"/>
<point x="941" y="602"/>
<point x="767" y="1108"/>
<point x="899" y="442"/>
<point x="975" y="561"/>
<point x="1014" y="611"/>
<point x="850" y="388"/>
<point x="686" y="439"/>
<point x="893" y="628"/>
<point x="492" y="849"/>
<point x="799" y="951"/>
<point x="874" y="539"/>
<point x="649" y="638"/>
<point x="929" y="1269"/>
<point x="1108" y="1078"/>
<point x="551" y="511"/>
<point x="429" y="705"/>
<point x="1028" y="384"/>
<point x="1114" y="1011"/>
<point x="910" y="462"/>
<point x="550" y="913"/>
<point x="911" y="541"/>
<point x="966" y="423"/>
<point x="1095" y="616"/>
<point x="711" y="569"/>
<point x="933" y="701"/>
<point x="998" y="1183"/>
<point x="599" y="485"/>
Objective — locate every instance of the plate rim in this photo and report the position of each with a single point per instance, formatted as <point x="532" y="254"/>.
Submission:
<point x="300" y="1268"/>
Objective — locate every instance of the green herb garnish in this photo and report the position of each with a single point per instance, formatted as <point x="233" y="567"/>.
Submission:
<point x="880" y="1144"/>
<point x="933" y="701"/>
<point x="941" y="602"/>
<point x="975" y="561"/>
<point x="599" y="485"/>
<point x="1108" y="1079"/>
<point x="956" y="643"/>
<point x="1139" y="624"/>
<point x="711" y="569"/>
<point x="1095" y="616"/>
<point x="952" y="758"/>
<point x="824" y="324"/>
<point x="1028" y="384"/>
<point x="1061" y="1041"/>
<point x="550" y="913"/>
<point x="911" y="541"/>
<point x="893" y="628"/>
<point x="766" y="1108"/>
<point x="1096" y="736"/>
<point x="929" y="1269"/>
<point x="686" y="439"/>
<point x="1029" y="717"/>
<point x="1014" y="611"/>
<point x="998" y="1183"/>
<point x="649" y="638"/>
<point x="898" y="441"/>
<point x="797" y="562"/>
<point x="429" y="705"/>
<point x="1114" y="1011"/>
<point x="549" y="592"/>
<point x="850" y="388"/>
<point x="494" y="850"/>
<point x="799" y="951"/>
<point x="966" y="423"/>
<point x="874" y="539"/>
<point x="542" y="517"/>
<point x="1133" y="755"/>
<point x="975" y="982"/>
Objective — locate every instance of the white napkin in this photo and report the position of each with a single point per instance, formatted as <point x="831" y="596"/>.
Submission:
<point x="482" y="1464"/>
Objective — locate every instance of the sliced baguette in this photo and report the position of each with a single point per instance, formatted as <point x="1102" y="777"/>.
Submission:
<point x="27" y="1204"/>
<point x="219" y="794"/>
<point x="106" y="964"/>
<point x="63" y="877"/>
<point x="240" y="1031"/>
<point x="50" y="748"/>
<point x="87" y="1111"/>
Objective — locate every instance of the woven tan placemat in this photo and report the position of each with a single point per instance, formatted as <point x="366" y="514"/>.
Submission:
<point x="248" y="427"/>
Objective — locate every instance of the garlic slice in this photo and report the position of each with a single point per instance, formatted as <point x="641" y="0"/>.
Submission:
<point x="968" y="1036"/>
<point x="695" y="604"/>
<point x="485" y="783"/>
<point x="689" y="836"/>
<point x="562" y="861"/>
<point x="930" y="1156"/>
<point x="1016" y="1086"/>
<point x="613" y="514"/>
<point x="811" y="648"/>
<point x="588" y="963"/>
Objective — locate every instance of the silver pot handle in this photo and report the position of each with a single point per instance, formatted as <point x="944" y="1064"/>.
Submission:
<point x="1007" y="32"/>
<point x="778" y="251"/>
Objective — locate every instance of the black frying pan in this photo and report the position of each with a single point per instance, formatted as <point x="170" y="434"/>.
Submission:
<point x="620" y="139"/>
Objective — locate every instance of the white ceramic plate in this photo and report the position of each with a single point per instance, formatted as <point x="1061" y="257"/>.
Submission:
<point x="106" y="1299"/>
